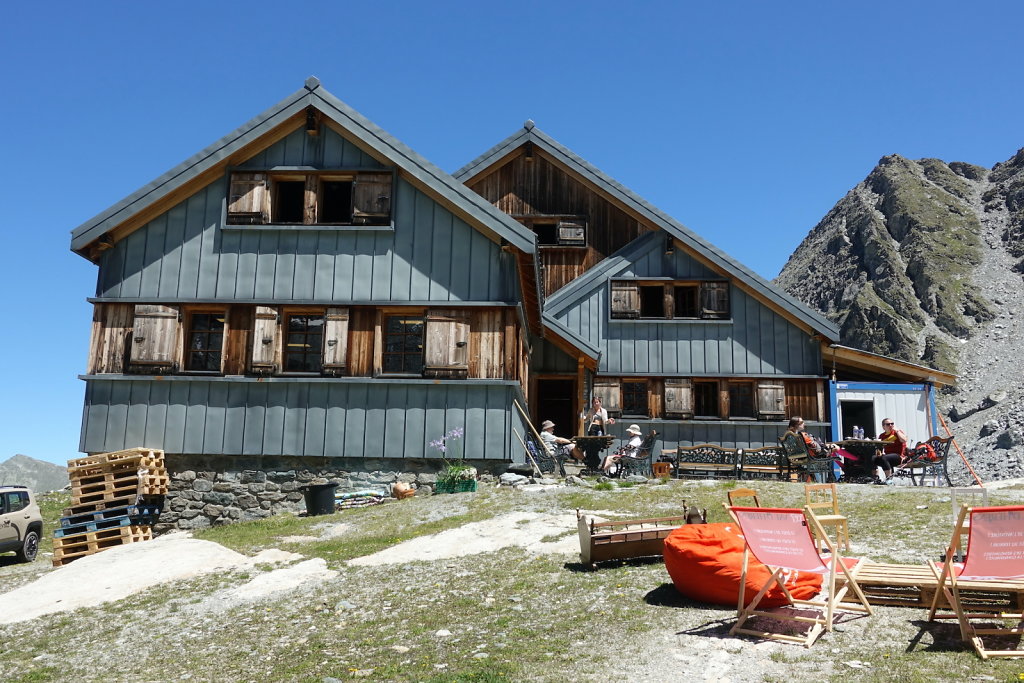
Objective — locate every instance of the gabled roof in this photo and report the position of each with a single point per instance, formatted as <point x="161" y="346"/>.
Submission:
<point x="647" y="212"/>
<point x="846" y="357"/>
<point x="457" y="196"/>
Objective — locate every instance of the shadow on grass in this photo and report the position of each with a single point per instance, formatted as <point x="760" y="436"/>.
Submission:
<point x="614" y="564"/>
<point x="945" y="637"/>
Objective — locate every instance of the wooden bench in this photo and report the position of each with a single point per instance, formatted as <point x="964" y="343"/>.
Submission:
<point x="921" y="470"/>
<point x="707" y="461"/>
<point x="625" y="539"/>
<point x="914" y="585"/>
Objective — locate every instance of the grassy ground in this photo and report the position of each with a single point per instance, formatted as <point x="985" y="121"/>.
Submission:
<point x="508" y="615"/>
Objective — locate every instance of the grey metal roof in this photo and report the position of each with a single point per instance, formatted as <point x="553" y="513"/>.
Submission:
<point x="586" y="347"/>
<point x="604" y="183"/>
<point x="465" y="200"/>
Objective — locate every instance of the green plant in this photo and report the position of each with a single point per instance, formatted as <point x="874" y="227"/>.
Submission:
<point x="453" y="470"/>
<point x="604" y="486"/>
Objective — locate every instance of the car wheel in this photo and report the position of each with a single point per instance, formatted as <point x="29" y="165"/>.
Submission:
<point x="29" y="547"/>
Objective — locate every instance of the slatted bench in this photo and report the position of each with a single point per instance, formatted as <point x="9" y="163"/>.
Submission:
<point x="914" y="585"/>
<point x="624" y="539"/>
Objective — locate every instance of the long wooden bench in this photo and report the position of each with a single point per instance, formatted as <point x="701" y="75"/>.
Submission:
<point x="914" y="585"/>
<point x="625" y="539"/>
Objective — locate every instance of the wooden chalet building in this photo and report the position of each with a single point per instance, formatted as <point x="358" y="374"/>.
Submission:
<point x="308" y="294"/>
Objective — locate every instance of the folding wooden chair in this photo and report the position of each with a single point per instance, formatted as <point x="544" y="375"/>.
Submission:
<point x="993" y="568"/>
<point x="974" y="496"/>
<point x="823" y="502"/>
<point x="737" y="494"/>
<point x="780" y="538"/>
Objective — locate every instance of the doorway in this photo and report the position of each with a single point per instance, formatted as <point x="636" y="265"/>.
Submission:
<point x="859" y="413"/>
<point x="556" y="401"/>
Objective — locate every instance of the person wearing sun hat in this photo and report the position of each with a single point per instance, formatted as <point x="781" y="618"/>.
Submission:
<point x="627" y="450"/>
<point x="553" y="444"/>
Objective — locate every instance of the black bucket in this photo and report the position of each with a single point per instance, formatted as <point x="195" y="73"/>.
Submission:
<point x="319" y="498"/>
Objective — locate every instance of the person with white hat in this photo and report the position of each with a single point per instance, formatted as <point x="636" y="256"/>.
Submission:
<point x="554" y="444"/>
<point x="627" y="450"/>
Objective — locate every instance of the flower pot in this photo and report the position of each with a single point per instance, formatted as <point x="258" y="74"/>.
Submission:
<point x="460" y="486"/>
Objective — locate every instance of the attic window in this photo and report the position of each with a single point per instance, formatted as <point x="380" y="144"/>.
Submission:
<point x="320" y="198"/>
<point x="566" y="232"/>
<point x="670" y="300"/>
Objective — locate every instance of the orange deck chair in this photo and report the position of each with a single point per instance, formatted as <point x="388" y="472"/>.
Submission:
<point x="781" y="539"/>
<point x="994" y="567"/>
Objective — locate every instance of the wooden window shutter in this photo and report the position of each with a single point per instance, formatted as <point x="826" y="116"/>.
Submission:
<point x="155" y="336"/>
<point x="446" y="350"/>
<point x="714" y="299"/>
<point x="248" y="199"/>
<point x="625" y="300"/>
<point x="678" y="398"/>
<point x="371" y="198"/>
<point x="611" y="395"/>
<point x="264" y="336"/>
<point x="771" y="399"/>
<point x="335" y="341"/>
<point x="572" y="233"/>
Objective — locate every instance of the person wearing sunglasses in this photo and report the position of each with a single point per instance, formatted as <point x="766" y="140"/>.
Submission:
<point x="892" y="452"/>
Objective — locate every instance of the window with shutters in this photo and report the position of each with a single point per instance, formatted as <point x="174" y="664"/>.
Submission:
<point x="771" y="400"/>
<point x="205" y="341"/>
<point x="323" y="198"/>
<point x="705" y="399"/>
<point x="634" y="398"/>
<point x="568" y="231"/>
<point x="670" y="300"/>
<point x="304" y="342"/>
<point x="403" y="345"/>
<point x="154" y="338"/>
<point x="336" y="341"/>
<point x="741" y="399"/>
<point x="446" y="348"/>
<point x="678" y="398"/>
<point x="610" y="394"/>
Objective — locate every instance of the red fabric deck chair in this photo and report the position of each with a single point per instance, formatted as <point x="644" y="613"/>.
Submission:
<point x="781" y="539"/>
<point x="994" y="566"/>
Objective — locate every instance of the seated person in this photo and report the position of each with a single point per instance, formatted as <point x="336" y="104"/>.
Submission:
<point x="630" y="449"/>
<point x="893" y="452"/>
<point x="597" y="419"/>
<point x="815" y="446"/>
<point x="554" y="445"/>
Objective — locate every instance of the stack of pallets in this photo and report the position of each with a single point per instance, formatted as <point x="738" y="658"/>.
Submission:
<point x="115" y="500"/>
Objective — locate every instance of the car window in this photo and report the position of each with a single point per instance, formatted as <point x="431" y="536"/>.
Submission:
<point x="3" y="505"/>
<point x="15" y="501"/>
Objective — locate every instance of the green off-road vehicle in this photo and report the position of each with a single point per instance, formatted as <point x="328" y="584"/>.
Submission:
<point x="21" y="523"/>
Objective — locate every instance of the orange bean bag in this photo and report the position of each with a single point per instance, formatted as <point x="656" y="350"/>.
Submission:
<point x="705" y="562"/>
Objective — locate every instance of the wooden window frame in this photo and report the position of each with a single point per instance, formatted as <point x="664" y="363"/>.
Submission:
<point x="698" y="384"/>
<point x="645" y="404"/>
<point x="284" y="318"/>
<point x="188" y="315"/>
<point x="732" y="384"/>
<point x="713" y="299"/>
<point x="380" y="335"/>
<point x="259" y="209"/>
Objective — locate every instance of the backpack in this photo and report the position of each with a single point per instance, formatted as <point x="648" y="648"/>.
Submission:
<point x="924" y="452"/>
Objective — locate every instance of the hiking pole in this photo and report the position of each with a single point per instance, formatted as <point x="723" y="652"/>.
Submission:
<point x="529" y="455"/>
<point x="962" y="456"/>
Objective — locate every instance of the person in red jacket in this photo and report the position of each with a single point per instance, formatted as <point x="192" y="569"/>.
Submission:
<point x="894" y="450"/>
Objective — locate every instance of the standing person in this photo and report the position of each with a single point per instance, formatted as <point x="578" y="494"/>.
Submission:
<point x="893" y="451"/>
<point x="555" y="445"/>
<point x="627" y="450"/>
<point x="597" y="418"/>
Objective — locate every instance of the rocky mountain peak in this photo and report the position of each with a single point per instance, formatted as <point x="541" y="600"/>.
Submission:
<point x="922" y="261"/>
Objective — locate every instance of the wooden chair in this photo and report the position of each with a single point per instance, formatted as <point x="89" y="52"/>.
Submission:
<point x="738" y="494"/>
<point x="781" y="540"/>
<point x="992" y="570"/>
<point x="662" y="469"/>
<point x="823" y="498"/>
<point x="975" y="496"/>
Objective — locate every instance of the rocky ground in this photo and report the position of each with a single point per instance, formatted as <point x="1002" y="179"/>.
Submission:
<point x="986" y="411"/>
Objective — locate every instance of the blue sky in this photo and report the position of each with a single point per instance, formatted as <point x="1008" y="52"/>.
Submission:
<point x="747" y="121"/>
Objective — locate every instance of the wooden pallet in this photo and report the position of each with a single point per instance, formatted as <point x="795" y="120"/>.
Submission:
<point x="73" y="547"/>
<point x="92" y="473"/>
<point x="97" y="525"/>
<point x="129" y="454"/>
<point x="147" y="484"/>
<point x="121" y="491"/>
<point x="78" y="508"/>
<point x="914" y="585"/>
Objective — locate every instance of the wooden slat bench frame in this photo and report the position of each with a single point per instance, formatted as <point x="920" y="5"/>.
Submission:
<point x="624" y="539"/>
<point x="914" y="585"/>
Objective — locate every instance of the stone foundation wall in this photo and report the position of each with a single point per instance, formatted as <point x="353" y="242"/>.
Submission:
<point x="210" y="490"/>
